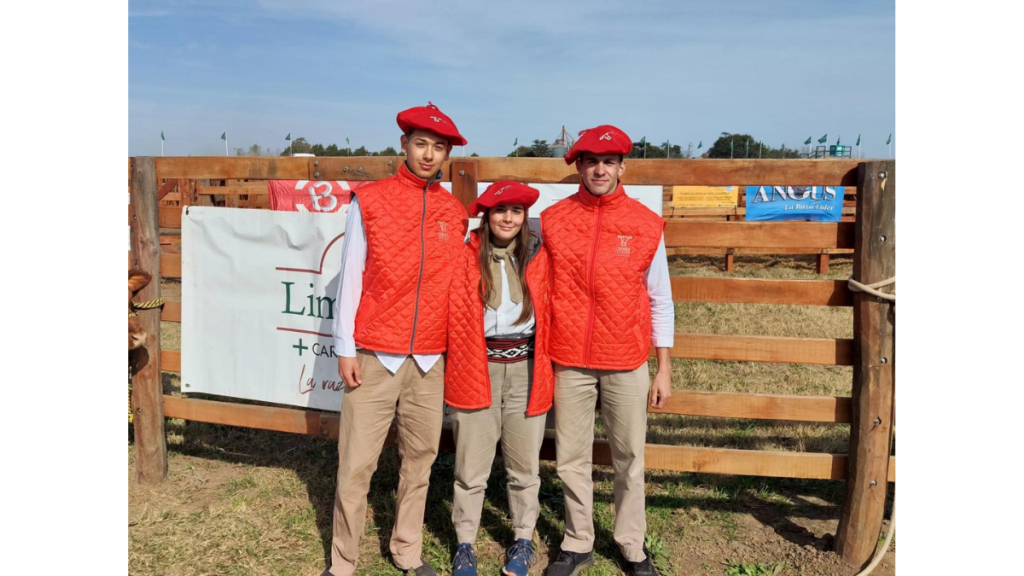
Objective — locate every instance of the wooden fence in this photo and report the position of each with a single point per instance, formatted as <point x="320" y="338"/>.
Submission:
<point x="866" y="469"/>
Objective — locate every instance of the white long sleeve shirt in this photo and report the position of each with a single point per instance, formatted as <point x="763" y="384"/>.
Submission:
<point x="659" y="289"/>
<point x="350" y="291"/>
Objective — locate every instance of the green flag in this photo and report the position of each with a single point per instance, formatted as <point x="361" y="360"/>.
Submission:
<point x="516" y="143"/>
<point x="643" y="141"/>
<point x="224" y="136"/>
<point x="347" y="143"/>
<point x="823" y="139"/>
<point x="700" y="145"/>
<point x="889" y="141"/>
<point x="808" y="141"/>
<point x="839" y="139"/>
<point x="162" y="135"/>
<point x="858" y="140"/>
<point x="288" y="137"/>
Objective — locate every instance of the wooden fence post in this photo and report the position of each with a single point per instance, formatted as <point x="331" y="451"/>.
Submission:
<point x="147" y="389"/>
<point x="874" y="323"/>
<point x="464" y="181"/>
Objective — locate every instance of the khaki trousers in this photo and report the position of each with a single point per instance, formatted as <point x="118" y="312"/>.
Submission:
<point x="477" y="433"/>
<point x="367" y="411"/>
<point x="624" y="412"/>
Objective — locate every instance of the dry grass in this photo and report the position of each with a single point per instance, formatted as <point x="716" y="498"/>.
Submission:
<point x="253" y="502"/>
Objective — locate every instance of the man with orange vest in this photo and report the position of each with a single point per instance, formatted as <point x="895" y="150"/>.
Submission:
<point x="610" y="299"/>
<point x="390" y="333"/>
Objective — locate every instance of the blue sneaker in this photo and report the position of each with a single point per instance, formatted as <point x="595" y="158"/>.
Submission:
<point x="464" y="563"/>
<point x="519" y="558"/>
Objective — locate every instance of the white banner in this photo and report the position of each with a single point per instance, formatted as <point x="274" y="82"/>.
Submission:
<point x="258" y="288"/>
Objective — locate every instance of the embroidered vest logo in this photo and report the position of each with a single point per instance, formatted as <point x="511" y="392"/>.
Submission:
<point x="442" y="234"/>
<point x="623" y="248"/>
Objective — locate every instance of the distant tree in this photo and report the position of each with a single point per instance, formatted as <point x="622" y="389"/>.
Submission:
<point x="332" y="150"/>
<point x="361" y="151"/>
<point x="299" y="146"/>
<point x="254" y="150"/>
<point x="474" y="155"/>
<point x="523" y="152"/>
<point x="389" y="151"/>
<point x="540" y="148"/>
<point x="317" y="149"/>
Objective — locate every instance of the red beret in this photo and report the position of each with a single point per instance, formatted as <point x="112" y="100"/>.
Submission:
<point x="504" y="193"/>
<point x="430" y="118"/>
<point x="604" y="139"/>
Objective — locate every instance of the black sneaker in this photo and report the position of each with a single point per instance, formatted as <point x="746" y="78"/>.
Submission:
<point x="423" y="569"/>
<point x="570" y="563"/>
<point x="643" y="567"/>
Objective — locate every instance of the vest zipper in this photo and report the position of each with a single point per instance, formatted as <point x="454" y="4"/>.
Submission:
<point x="593" y="264"/>
<point x="423" y="254"/>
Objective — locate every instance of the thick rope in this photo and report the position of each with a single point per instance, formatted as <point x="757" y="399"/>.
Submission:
<point x="147" y="305"/>
<point x="871" y="288"/>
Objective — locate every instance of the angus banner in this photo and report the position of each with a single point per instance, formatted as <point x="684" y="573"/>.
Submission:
<point x="812" y="203"/>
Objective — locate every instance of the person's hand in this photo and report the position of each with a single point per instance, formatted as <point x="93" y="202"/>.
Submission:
<point x="348" y="369"/>
<point x="661" y="389"/>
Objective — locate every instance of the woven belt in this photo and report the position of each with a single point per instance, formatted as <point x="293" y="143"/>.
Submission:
<point x="508" y="350"/>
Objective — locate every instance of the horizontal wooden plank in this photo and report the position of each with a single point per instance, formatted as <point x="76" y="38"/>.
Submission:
<point x="701" y="172"/>
<point x="835" y="409"/>
<point x="170" y="361"/>
<point x="171" y="311"/>
<point x="170" y="265"/>
<point x="168" y="239"/>
<point x="252" y="188"/>
<point x="759" y="234"/>
<point x="362" y="167"/>
<point x="776" y="349"/>
<point x="761" y="291"/>
<point x="756" y="251"/>
<point x="247" y="416"/>
<point x="240" y="167"/>
<point x="656" y="457"/>
<point x="169" y="216"/>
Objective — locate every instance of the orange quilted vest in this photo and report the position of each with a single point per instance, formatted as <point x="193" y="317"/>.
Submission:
<point x="467" y="382"/>
<point x="413" y="233"/>
<point x="601" y="248"/>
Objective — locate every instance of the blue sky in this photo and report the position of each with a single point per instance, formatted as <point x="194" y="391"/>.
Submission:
<point x="678" y="70"/>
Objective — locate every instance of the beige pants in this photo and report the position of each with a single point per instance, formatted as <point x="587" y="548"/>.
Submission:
<point x="367" y="411"/>
<point x="477" y="433"/>
<point x="624" y="411"/>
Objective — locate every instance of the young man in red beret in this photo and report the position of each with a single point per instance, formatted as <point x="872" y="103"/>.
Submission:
<point x="610" y="299"/>
<point x="390" y="333"/>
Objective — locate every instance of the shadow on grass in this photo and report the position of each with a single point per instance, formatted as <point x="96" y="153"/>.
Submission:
<point x="772" y="502"/>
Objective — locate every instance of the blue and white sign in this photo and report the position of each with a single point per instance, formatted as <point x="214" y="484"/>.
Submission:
<point x="812" y="203"/>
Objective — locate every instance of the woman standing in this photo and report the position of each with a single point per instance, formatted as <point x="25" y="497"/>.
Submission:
<point x="498" y="378"/>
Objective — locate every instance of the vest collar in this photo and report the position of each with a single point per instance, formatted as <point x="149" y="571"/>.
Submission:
<point x="607" y="201"/>
<point x="407" y="177"/>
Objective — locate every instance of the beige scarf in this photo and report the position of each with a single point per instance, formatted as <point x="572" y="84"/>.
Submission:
<point x="515" y="289"/>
